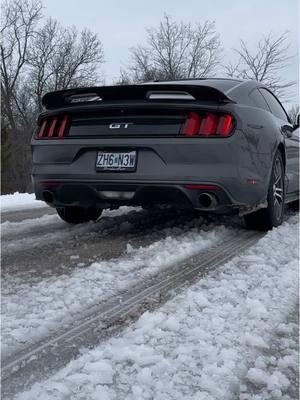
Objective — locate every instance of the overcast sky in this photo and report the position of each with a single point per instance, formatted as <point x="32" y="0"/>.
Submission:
<point x="121" y="24"/>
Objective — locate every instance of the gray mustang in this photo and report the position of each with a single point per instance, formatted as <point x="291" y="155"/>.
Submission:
<point x="216" y="145"/>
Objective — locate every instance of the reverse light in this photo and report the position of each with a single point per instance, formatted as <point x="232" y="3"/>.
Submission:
<point x="54" y="128"/>
<point x="208" y="125"/>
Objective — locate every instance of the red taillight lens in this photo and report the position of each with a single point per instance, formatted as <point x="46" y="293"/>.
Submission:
<point x="209" y="124"/>
<point x="54" y="128"/>
<point x="42" y="130"/>
<point x="192" y="124"/>
<point x="52" y="132"/>
<point x="64" y="127"/>
<point x="225" y="125"/>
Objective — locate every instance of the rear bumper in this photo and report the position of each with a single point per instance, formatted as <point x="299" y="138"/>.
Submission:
<point x="111" y="195"/>
<point x="164" y="167"/>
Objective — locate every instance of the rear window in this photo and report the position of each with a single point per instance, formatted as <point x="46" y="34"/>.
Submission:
<point x="258" y="100"/>
<point x="275" y="107"/>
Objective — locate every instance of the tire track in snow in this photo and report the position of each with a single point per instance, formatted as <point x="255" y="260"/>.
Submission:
<point x="19" y="236"/>
<point x="20" y="370"/>
<point x="21" y="215"/>
<point x="55" y="301"/>
<point x="106" y="239"/>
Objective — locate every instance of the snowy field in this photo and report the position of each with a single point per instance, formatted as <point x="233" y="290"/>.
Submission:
<point x="232" y="335"/>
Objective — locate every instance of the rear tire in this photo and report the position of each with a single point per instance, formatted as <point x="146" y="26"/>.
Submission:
<point x="78" y="215"/>
<point x="272" y="216"/>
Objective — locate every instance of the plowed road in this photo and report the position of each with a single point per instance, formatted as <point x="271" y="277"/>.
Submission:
<point x="68" y="287"/>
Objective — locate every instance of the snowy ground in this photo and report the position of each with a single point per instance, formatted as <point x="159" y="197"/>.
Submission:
<point x="19" y="201"/>
<point x="233" y="335"/>
<point x="277" y="366"/>
<point x="56" y="301"/>
<point x="205" y="343"/>
<point x="34" y="232"/>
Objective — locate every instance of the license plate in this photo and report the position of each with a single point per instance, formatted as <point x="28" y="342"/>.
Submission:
<point x="116" y="161"/>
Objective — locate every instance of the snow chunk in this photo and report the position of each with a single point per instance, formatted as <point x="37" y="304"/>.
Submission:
<point x="257" y="376"/>
<point x="255" y="341"/>
<point x="144" y="377"/>
<point x="102" y="369"/>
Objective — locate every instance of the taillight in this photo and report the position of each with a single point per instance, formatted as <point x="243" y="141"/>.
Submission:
<point x="54" y="128"/>
<point x="192" y="124"/>
<point x="208" y="125"/>
<point x="225" y="125"/>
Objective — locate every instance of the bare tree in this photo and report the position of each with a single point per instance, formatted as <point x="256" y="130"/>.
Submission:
<point x="175" y="50"/>
<point x="77" y="59"/>
<point x="18" y="28"/>
<point x="40" y="54"/>
<point x="36" y="58"/>
<point x="19" y="23"/>
<point x="62" y="58"/>
<point x="265" y="63"/>
<point x="293" y="113"/>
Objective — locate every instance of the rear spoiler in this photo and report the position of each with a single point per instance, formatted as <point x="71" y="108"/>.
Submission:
<point x="151" y="92"/>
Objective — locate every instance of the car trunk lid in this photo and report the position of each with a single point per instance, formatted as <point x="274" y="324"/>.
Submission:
<point x="134" y="110"/>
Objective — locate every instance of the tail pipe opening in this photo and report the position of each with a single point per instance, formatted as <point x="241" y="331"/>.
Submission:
<point x="208" y="200"/>
<point x="48" y="196"/>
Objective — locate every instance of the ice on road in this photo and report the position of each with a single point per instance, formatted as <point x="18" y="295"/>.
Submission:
<point x="202" y="345"/>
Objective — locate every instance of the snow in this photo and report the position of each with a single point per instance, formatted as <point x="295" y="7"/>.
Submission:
<point x="257" y="376"/>
<point x="275" y="373"/>
<point x="55" y="301"/>
<point x="53" y="229"/>
<point x="20" y="201"/>
<point x="205" y="343"/>
<point x="11" y="228"/>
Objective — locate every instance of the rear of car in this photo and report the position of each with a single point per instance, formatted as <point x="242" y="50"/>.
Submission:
<point x="177" y="143"/>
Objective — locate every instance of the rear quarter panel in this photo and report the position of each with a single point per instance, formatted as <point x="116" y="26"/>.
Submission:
<point x="262" y="136"/>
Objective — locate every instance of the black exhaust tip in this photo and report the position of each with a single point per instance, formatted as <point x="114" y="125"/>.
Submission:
<point x="208" y="200"/>
<point x="48" y="196"/>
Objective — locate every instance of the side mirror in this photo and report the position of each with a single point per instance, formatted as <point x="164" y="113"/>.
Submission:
<point x="287" y="130"/>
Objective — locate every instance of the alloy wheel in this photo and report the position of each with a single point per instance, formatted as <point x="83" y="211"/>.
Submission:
<point x="278" y="187"/>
